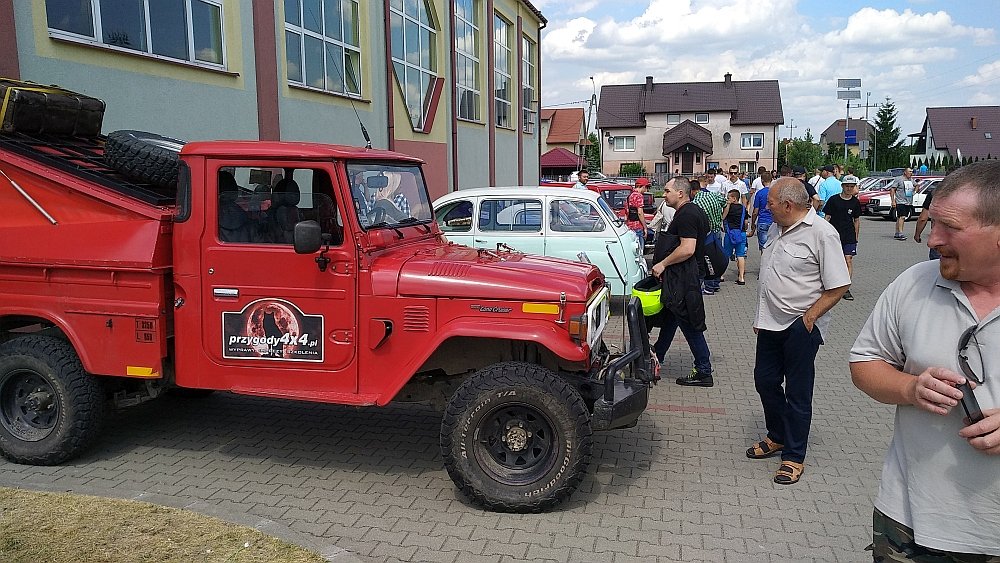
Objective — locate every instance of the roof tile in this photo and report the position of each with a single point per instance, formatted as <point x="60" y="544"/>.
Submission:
<point x="952" y="129"/>
<point x="750" y="101"/>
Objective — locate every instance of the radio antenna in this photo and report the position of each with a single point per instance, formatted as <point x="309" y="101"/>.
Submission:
<point x="364" y="132"/>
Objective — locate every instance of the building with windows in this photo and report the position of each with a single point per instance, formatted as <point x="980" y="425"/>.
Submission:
<point x="689" y="127"/>
<point x="965" y="132"/>
<point x="865" y="133"/>
<point x="564" y="138"/>
<point x="455" y="82"/>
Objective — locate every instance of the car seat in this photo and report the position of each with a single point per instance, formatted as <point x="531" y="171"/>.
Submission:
<point x="284" y="212"/>
<point x="234" y="222"/>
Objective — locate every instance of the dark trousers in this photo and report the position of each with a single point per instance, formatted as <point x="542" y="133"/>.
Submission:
<point x="695" y="339"/>
<point x="788" y="357"/>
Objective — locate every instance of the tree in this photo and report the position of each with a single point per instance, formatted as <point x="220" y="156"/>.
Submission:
<point x="887" y="141"/>
<point x="804" y="153"/>
<point x="631" y="169"/>
<point x="593" y="152"/>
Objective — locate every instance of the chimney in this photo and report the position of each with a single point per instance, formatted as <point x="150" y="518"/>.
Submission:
<point x="649" y="83"/>
<point x="973" y="120"/>
<point x="729" y="80"/>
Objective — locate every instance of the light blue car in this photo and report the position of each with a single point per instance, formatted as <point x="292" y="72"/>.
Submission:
<point x="560" y="222"/>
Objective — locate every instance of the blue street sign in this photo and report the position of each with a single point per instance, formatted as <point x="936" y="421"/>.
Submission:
<point x="851" y="137"/>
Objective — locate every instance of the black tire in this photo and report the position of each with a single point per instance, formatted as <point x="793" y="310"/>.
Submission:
<point x="516" y="438"/>
<point x="144" y="157"/>
<point x="50" y="408"/>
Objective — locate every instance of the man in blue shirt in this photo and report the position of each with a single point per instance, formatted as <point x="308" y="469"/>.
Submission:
<point x="829" y="187"/>
<point x="761" y="219"/>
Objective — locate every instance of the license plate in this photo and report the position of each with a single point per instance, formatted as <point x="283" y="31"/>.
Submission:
<point x="598" y="313"/>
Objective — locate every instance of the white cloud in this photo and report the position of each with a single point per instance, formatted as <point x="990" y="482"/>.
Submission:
<point x="908" y="55"/>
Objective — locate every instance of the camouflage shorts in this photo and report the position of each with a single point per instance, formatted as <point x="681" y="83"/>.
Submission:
<point x="894" y="542"/>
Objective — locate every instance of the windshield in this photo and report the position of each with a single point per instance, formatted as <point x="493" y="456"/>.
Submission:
<point x="389" y="195"/>
<point x="616" y="198"/>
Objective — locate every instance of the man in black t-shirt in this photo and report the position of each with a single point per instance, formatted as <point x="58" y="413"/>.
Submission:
<point x="843" y="211"/>
<point x="684" y="306"/>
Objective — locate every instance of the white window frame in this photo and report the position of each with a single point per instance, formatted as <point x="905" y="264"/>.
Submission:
<point x="467" y="63"/>
<point x="748" y="141"/>
<point x="396" y="7"/>
<point x="97" y="38"/>
<point x="328" y="39"/>
<point x="624" y="145"/>
<point x="501" y="46"/>
<point x="698" y="120"/>
<point x="673" y="118"/>
<point x="529" y="65"/>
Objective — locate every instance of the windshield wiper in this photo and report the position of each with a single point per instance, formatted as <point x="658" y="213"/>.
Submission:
<point x="412" y="220"/>
<point x="384" y="225"/>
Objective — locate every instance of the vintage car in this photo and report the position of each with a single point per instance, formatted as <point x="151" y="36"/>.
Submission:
<point x="880" y="204"/>
<point x="572" y="224"/>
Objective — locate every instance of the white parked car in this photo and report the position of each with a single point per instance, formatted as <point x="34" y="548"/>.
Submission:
<point x="880" y="205"/>
<point x="560" y="222"/>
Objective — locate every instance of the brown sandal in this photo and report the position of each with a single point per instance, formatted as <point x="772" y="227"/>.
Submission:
<point x="764" y="448"/>
<point x="788" y="473"/>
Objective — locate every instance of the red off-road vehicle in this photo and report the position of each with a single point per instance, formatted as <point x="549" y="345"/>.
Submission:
<point x="295" y="270"/>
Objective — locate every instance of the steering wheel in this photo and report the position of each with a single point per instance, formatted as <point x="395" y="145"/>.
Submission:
<point x="383" y="210"/>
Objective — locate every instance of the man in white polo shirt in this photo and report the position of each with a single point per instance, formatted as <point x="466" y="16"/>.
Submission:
<point x="802" y="276"/>
<point x="932" y="330"/>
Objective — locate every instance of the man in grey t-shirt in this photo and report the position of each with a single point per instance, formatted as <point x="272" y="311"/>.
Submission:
<point x="932" y="331"/>
<point x="901" y="199"/>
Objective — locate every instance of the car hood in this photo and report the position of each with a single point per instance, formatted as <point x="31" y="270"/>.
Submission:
<point x="454" y="270"/>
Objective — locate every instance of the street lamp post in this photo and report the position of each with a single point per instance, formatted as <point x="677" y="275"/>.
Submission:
<point x="848" y="93"/>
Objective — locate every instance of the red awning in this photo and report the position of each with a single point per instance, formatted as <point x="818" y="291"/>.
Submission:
<point x="560" y="158"/>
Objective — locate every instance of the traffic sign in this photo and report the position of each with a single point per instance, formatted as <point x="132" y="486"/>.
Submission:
<point x="851" y="136"/>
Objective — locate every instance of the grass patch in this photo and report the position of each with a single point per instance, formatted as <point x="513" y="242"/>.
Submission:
<point x="56" y="528"/>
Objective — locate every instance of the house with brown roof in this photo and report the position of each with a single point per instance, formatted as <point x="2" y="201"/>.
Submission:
<point x="563" y="138"/>
<point x="689" y="127"/>
<point x="835" y="134"/>
<point x="960" y="132"/>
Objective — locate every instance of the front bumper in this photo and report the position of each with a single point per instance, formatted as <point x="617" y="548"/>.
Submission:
<point x="626" y="379"/>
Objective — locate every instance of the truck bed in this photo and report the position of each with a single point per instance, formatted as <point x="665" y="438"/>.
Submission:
<point x="84" y="158"/>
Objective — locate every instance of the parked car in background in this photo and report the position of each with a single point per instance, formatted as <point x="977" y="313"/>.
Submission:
<point x="571" y="224"/>
<point x="880" y="204"/>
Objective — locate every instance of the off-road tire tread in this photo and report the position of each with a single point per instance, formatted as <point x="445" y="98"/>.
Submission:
<point x="517" y="374"/>
<point x="84" y="390"/>
<point x="128" y="153"/>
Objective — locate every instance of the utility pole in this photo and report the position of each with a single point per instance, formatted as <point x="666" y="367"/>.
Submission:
<point x="590" y="112"/>
<point x="791" y="125"/>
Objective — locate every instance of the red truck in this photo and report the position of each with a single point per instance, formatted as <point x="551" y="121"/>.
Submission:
<point x="302" y="271"/>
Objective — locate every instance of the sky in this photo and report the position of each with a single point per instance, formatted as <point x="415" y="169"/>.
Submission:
<point x="919" y="53"/>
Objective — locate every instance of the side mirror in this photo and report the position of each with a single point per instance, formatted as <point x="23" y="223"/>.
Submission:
<point x="307" y="237"/>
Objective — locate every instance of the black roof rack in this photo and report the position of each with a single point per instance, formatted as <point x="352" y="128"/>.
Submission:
<point x="84" y="157"/>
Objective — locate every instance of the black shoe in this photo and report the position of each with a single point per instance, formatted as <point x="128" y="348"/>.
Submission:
<point x="696" y="380"/>
<point x="848" y="296"/>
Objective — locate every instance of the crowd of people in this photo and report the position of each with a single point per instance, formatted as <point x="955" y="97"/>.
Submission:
<point x="925" y="347"/>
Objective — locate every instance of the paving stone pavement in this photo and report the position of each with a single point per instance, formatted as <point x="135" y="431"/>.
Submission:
<point x="368" y="484"/>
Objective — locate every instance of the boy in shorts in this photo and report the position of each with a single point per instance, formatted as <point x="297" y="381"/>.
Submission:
<point x="843" y="211"/>
<point x="735" y="221"/>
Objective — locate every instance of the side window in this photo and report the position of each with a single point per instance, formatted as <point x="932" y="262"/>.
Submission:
<point x="260" y="205"/>
<point x="510" y="215"/>
<point x="455" y="217"/>
<point x="574" y="216"/>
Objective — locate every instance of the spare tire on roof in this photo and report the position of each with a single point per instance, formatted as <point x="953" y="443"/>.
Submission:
<point x="144" y="157"/>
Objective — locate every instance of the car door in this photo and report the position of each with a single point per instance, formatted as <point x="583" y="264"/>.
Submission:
<point x="272" y="319"/>
<point x="455" y="218"/>
<point x="515" y="221"/>
<point x="578" y="227"/>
